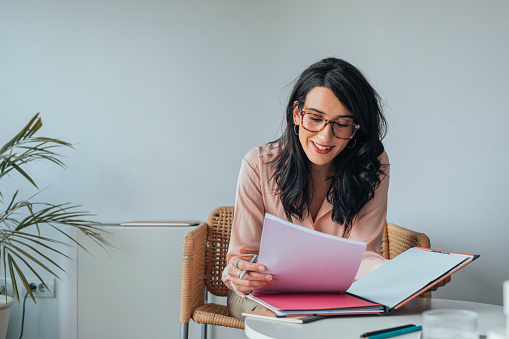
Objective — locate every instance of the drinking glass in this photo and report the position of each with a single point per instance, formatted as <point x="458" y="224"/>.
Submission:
<point x="449" y="324"/>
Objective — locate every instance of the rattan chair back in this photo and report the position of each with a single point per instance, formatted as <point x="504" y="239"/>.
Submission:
<point x="218" y="237"/>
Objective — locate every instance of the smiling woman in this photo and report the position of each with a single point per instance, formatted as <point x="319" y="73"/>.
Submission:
<point x="328" y="172"/>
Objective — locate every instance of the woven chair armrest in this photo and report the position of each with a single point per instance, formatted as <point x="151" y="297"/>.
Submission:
<point x="193" y="272"/>
<point x="215" y="314"/>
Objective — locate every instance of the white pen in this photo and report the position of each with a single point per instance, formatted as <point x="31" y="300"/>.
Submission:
<point x="243" y="274"/>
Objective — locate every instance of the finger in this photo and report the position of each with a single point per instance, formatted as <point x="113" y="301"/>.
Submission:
<point x="250" y="266"/>
<point x="255" y="276"/>
<point x="251" y="280"/>
<point x="252" y="285"/>
<point x="234" y="261"/>
<point x="442" y="283"/>
<point x="236" y="275"/>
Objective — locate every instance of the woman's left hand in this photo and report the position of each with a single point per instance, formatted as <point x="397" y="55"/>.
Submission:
<point x="440" y="284"/>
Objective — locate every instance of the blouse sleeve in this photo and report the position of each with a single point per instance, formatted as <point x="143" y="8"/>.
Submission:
<point x="248" y="217"/>
<point x="370" y="223"/>
<point x="249" y="209"/>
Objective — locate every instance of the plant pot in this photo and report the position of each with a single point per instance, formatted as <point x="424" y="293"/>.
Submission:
<point x="5" y="312"/>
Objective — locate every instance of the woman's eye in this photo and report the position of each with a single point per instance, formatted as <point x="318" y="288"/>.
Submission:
<point x="315" y="117"/>
<point x="342" y="124"/>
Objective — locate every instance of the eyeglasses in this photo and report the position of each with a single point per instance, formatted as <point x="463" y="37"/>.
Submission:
<point x="314" y="122"/>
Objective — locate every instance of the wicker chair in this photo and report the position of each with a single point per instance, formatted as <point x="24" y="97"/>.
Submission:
<point x="204" y="258"/>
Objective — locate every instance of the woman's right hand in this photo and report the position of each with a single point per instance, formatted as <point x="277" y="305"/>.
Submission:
<point x="254" y="279"/>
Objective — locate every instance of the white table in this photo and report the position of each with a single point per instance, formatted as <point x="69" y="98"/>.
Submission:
<point x="347" y="327"/>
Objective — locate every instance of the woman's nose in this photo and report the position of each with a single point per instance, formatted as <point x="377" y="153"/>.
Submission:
<point x="326" y="132"/>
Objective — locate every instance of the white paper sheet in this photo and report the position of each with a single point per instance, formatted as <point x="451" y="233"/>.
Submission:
<point x="404" y="275"/>
<point x="304" y="260"/>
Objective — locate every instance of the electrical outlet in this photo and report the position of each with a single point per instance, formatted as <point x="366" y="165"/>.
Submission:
<point x="40" y="291"/>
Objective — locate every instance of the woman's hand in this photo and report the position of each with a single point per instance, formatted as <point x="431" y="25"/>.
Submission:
<point x="254" y="278"/>
<point x="441" y="283"/>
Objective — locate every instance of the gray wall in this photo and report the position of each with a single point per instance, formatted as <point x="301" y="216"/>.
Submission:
<point x="163" y="98"/>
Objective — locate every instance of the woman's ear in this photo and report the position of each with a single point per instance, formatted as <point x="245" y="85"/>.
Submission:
<point x="296" y="113"/>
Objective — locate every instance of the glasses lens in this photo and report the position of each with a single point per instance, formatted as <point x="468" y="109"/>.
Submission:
<point x="315" y="123"/>
<point x="343" y="129"/>
<point x="312" y="122"/>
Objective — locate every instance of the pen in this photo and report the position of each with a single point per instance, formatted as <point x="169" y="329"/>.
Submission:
<point x="243" y="274"/>
<point x="396" y="332"/>
<point x="369" y="334"/>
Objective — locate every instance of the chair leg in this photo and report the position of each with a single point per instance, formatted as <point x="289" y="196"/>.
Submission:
<point x="204" y="326"/>
<point x="184" y="330"/>
<point x="204" y="331"/>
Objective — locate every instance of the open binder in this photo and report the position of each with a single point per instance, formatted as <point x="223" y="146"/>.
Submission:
<point x="381" y="291"/>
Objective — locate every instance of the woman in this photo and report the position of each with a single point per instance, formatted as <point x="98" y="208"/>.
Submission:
<point x="328" y="172"/>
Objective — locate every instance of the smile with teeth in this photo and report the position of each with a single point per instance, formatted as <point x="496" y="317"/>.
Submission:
<point x="321" y="147"/>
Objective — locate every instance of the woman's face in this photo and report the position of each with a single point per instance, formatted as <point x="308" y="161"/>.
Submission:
<point x="322" y="147"/>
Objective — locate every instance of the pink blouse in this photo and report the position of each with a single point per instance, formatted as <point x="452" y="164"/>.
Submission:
<point x="256" y="195"/>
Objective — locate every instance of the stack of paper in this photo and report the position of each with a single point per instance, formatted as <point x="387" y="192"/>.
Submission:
<point x="304" y="260"/>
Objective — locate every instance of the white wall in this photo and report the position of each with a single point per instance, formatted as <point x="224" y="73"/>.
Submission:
<point x="163" y="98"/>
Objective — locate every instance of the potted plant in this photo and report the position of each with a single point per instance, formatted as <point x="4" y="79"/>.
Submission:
<point x="23" y="221"/>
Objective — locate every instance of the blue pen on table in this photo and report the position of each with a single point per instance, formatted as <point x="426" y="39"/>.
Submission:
<point x="243" y="274"/>
<point x="395" y="332"/>
<point x="390" y="329"/>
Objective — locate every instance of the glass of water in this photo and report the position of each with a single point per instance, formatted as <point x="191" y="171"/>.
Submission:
<point x="449" y="324"/>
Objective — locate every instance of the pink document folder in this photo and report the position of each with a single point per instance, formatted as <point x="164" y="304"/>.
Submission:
<point x="307" y="301"/>
<point x="304" y="260"/>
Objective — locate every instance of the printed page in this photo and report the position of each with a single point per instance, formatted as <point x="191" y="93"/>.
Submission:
<point x="404" y="275"/>
<point x="304" y="260"/>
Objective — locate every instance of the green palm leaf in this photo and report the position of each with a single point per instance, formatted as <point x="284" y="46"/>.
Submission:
<point x="22" y="222"/>
<point x="25" y="148"/>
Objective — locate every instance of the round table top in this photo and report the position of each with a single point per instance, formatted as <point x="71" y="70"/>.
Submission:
<point x="490" y="316"/>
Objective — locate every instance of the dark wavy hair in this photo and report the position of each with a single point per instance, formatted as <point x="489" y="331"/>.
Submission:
<point x="357" y="169"/>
